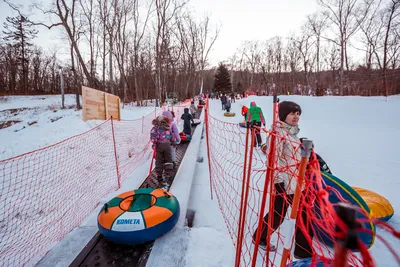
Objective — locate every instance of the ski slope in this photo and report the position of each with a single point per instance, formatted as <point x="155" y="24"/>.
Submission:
<point x="357" y="136"/>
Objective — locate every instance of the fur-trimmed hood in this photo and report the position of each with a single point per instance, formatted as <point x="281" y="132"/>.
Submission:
<point x="162" y="122"/>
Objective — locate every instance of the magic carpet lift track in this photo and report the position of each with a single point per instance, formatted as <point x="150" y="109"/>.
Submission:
<point x="101" y="252"/>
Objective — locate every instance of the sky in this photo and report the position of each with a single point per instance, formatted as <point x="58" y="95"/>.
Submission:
<point x="239" y="21"/>
<point x="246" y="20"/>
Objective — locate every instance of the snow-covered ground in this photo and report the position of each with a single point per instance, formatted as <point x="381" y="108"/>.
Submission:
<point x="39" y="121"/>
<point x="357" y="136"/>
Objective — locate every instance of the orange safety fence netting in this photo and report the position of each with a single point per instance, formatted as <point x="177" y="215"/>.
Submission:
<point x="46" y="193"/>
<point x="247" y="191"/>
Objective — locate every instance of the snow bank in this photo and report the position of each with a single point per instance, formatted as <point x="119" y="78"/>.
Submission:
<point x="164" y="249"/>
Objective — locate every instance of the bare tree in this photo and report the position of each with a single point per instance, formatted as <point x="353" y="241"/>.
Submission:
<point x="138" y="33"/>
<point x="188" y="35"/>
<point x="304" y="43"/>
<point x="165" y="12"/>
<point x="345" y="17"/>
<point x="206" y="42"/>
<point x="317" y="24"/>
<point x="61" y="12"/>
<point x="88" y="10"/>
<point x="392" y="13"/>
<point x="252" y="52"/>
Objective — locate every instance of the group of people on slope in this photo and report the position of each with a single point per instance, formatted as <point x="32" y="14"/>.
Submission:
<point x="226" y="102"/>
<point x="165" y="137"/>
<point x="164" y="133"/>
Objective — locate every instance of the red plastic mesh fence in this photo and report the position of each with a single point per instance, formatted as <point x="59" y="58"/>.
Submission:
<point x="48" y="192"/>
<point x="245" y="187"/>
<point x="133" y="146"/>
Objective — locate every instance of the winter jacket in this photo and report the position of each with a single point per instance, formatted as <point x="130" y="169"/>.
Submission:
<point x="224" y="99"/>
<point x="174" y="129"/>
<point x="193" y="109"/>
<point x="288" y="155"/>
<point x="255" y="114"/>
<point x="187" y="118"/>
<point x="228" y="104"/>
<point x="244" y="110"/>
<point x="161" y="131"/>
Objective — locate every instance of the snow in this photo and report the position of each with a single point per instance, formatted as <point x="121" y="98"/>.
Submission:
<point x="164" y="247"/>
<point x="209" y="241"/>
<point x="357" y="136"/>
<point x="21" y="137"/>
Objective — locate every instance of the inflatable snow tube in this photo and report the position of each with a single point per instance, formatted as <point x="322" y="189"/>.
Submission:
<point x="310" y="262"/>
<point x="185" y="137"/>
<point x="138" y="216"/>
<point x="242" y="124"/>
<point x="264" y="148"/>
<point x="353" y="198"/>
<point x="229" y="114"/>
<point x="196" y="122"/>
<point x="380" y="207"/>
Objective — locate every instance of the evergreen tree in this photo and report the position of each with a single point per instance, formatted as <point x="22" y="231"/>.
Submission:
<point x="222" y="80"/>
<point x="18" y="34"/>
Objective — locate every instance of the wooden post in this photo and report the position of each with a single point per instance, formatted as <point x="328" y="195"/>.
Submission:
<point x="305" y="155"/>
<point x="119" y="109"/>
<point x="106" y="105"/>
<point x="83" y="104"/>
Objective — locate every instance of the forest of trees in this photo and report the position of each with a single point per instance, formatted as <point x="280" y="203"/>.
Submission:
<point x="141" y="49"/>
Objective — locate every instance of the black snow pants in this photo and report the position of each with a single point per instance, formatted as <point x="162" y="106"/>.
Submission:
<point x="302" y="247"/>
<point x="163" y="159"/>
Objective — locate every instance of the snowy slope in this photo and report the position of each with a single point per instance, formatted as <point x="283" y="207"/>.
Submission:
<point x="355" y="135"/>
<point x="357" y="138"/>
<point x="42" y="122"/>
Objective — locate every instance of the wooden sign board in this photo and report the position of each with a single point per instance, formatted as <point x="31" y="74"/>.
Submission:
<point x="98" y="105"/>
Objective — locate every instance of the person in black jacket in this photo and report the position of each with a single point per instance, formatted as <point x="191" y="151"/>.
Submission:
<point x="224" y="99"/>
<point x="187" y="118"/>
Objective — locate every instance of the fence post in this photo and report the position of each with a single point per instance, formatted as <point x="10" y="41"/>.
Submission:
<point x="208" y="146"/>
<point x="115" y="153"/>
<point x="243" y="206"/>
<point x="269" y="180"/>
<point x="142" y="124"/>
<point x="346" y="219"/>
<point x="306" y="147"/>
